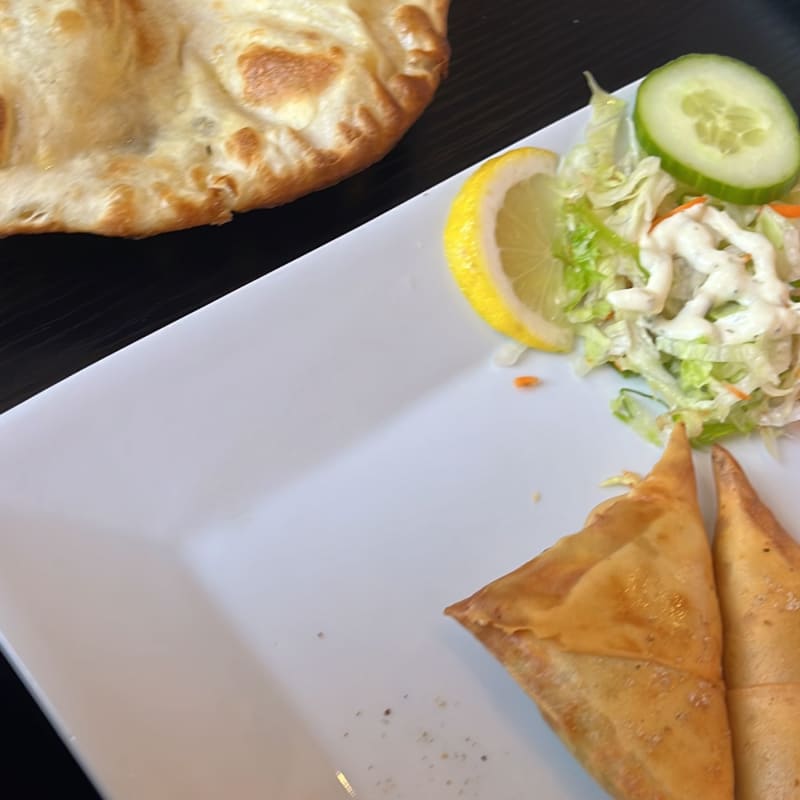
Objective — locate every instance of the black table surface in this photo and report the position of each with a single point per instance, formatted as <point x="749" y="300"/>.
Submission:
<point x="69" y="300"/>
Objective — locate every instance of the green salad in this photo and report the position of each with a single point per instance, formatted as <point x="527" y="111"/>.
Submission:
<point x="681" y="249"/>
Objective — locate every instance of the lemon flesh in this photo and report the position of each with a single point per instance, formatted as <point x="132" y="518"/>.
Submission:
<point x="498" y="243"/>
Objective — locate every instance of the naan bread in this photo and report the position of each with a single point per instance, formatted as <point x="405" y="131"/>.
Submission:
<point x="132" y="117"/>
<point x="758" y="579"/>
<point x="615" y="633"/>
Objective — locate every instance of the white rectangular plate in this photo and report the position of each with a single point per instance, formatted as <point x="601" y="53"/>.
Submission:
<point x="225" y="550"/>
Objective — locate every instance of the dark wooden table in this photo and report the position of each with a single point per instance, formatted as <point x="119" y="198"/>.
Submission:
<point x="67" y="301"/>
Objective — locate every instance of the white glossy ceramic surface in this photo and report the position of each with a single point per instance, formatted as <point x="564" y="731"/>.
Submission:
<point x="225" y="550"/>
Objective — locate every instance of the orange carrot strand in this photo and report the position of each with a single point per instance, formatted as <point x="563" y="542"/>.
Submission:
<point x="737" y="392"/>
<point x="695" y="201"/>
<point x="526" y="381"/>
<point x="790" y="210"/>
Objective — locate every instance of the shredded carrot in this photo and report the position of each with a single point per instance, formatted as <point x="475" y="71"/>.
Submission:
<point x="526" y="381"/>
<point x="791" y="210"/>
<point x="695" y="201"/>
<point x="737" y="392"/>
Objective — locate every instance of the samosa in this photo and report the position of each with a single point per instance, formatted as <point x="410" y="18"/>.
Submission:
<point x="615" y="633"/>
<point x="758" y="579"/>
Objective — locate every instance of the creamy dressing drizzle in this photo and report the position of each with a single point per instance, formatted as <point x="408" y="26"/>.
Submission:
<point x="695" y="236"/>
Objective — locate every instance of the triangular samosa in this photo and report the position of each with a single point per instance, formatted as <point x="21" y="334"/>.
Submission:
<point x="758" y="578"/>
<point x="615" y="633"/>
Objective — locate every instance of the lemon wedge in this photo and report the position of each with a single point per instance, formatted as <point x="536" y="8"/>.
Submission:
<point x="498" y="245"/>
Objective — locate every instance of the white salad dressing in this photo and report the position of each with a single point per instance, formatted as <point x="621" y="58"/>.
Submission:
<point x="743" y="273"/>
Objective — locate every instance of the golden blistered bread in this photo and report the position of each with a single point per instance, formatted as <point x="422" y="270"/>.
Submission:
<point x="615" y="633"/>
<point x="132" y="117"/>
<point x="758" y="578"/>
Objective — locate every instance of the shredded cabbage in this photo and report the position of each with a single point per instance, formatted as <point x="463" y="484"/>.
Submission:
<point x="612" y="194"/>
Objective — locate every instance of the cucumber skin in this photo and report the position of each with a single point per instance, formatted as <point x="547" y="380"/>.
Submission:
<point x="702" y="183"/>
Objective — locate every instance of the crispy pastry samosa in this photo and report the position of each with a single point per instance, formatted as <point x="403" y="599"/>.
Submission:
<point x="758" y="578"/>
<point x="615" y="633"/>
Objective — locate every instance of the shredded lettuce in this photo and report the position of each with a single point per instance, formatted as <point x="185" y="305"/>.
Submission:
<point x="593" y="163"/>
<point x="784" y="236"/>
<point x="612" y="194"/>
<point x="625" y="478"/>
<point x="628" y="407"/>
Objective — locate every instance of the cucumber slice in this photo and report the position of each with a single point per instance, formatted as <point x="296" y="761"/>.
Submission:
<point x="720" y="126"/>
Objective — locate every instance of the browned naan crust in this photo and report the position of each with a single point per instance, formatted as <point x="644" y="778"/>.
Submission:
<point x="615" y="633"/>
<point x="132" y="117"/>
<point x="758" y="576"/>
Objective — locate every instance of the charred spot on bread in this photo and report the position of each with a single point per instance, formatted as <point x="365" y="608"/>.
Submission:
<point x="132" y="117"/>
